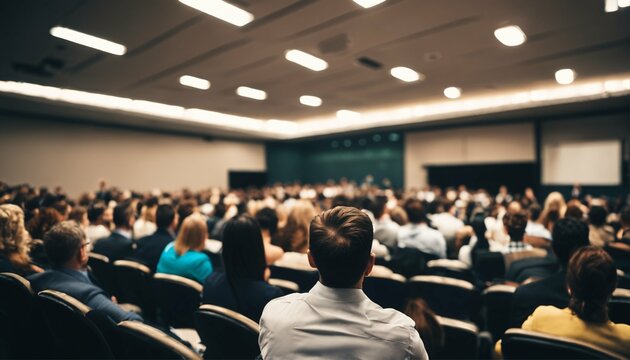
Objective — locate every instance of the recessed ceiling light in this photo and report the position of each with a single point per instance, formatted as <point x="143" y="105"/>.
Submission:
<point x="251" y="93"/>
<point x="348" y="115"/>
<point x="510" y="35"/>
<point x="368" y="3"/>
<point x="310" y="100"/>
<point x="565" y="76"/>
<point x="406" y="74"/>
<point x="611" y="6"/>
<point x="305" y="59"/>
<point x="452" y="92"/>
<point x="194" y="82"/>
<point x="88" y="40"/>
<point x="221" y="10"/>
<point x="623" y="3"/>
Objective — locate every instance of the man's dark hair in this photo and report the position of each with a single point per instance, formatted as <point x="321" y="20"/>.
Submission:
<point x="415" y="211"/>
<point x="534" y="212"/>
<point x="597" y="215"/>
<point x="95" y="211"/>
<point x="516" y="224"/>
<point x="568" y="235"/>
<point x="341" y="243"/>
<point x="243" y="250"/>
<point x="123" y="213"/>
<point x="63" y="241"/>
<point x="268" y="220"/>
<point x="378" y="206"/>
<point x="164" y="216"/>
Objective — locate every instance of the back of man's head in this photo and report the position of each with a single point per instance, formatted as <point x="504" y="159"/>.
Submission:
<point x="95" y="212"/>
<point x="415" y="211"/>
<point x="164" y="216"/>
<point x="534" y="211"/>
<point x="597" y="215"/>
<point x="268" y="220"/>
<point x="569" y="234"/>
<point x="123" y="213"/>
<point x="341" y="244"/>
<point x="63" y="242"/>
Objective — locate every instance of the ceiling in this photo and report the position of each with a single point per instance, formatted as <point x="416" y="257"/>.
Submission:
<point x="451" y="42"/>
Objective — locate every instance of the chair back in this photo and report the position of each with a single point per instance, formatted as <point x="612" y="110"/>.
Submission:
<point x="619" y="307"/>
<point x="523" y="344"/>
<point x="103" y="271"/>
<point x="461" y="339"/>
<point x="305" y="279"/>
<point x="489" y="265"/>
<point x="133" y="281"/>
<point x="450" y="268"/>
<point x="497" y="303"/>
<point x="226" y="334"/>
<point x="74" y="335"/>
<point x="388" y="292"/>
<point x="447" y="297"/>
<point x="287" y="287"/>
<point x="141" y="341"/>
<point x="177" y="298"/>
<point x="409" y="262"/>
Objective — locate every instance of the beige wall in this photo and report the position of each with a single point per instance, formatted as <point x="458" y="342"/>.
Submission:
<point x="467" y="145"/>
<point x="76" y="156"/>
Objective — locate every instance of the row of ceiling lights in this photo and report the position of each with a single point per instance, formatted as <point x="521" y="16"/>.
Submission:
<point x="509" y="36"/>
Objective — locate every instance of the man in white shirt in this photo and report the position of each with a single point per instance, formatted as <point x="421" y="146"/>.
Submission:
<point x="336" y="320"/>
<point x="417" y="234"/>
<point x="448" y="224"/>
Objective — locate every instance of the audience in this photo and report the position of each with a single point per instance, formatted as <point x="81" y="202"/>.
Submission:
<point x="185" y="256"/>
<point x="591" y="279"/>
<point x="293" y="237"/>
<point x="599" y="234"/>
<point x="243" y="286"/>
<point x="67" y="248"/>
<point x="554" y="209"/>
<point x="447" y="223"/>
<point x="119" y="244"/>
<point x="568" y="235"/>
<point x="534" y="228"/>
<point x="145" y="225"/>
<point x="15" y="242"/>
<point x="515" y="224"/>
<point x="268" y="221"/>
<point x="417" y="234"/>
<point x="150" y="248"/>
<point x="385" y="229"/>
<point x="336" y="319"/>
<point x="100" y="218"/>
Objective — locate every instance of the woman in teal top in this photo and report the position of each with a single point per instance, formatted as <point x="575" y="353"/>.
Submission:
<point x="183" y="256"/>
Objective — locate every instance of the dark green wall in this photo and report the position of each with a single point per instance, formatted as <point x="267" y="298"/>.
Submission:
<point x="352" y="157"/>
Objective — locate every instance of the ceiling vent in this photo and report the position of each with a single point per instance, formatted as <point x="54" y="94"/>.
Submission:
<point x="335" y="44"/>
<point x="47" y="67"/>
<point x="369" y="63"/>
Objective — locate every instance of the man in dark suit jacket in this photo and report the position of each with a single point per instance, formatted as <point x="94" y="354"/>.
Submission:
<point x="568" y="235"/>
<point x="150" y="247"/>
<point x="119" y="244"/>
<point x="66" y="247"/>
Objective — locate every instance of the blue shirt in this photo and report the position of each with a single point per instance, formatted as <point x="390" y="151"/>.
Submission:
<point x="192" y="264"/>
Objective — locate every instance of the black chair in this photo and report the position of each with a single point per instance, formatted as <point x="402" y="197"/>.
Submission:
<point x="226" y="334"/>
<point x="461" y="340"/>
<point x="489" y="266"/>
<point x="497" y="301"/>
<point x="620" y="255"/>
<point x="287" y="287"/>
<point x="619" y="307"/>
<point x="141" y="341"/>
<point x="103" y="271"/>
<point x="623" y="280"/>
<point x="305" y="279"/>
<point x="388" y="292"/>
<point x="448" y="297"/>
<point x="450" y="268"/>
<point x="133" y="281"/>
<point x="523" y="344"/>
<point x="74" y="335"/>
<point x="409" y="262"/>
<point x="177" y="298"/>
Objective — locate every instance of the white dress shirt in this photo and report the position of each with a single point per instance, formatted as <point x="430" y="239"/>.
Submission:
<point x="423" y="238"/>
<point x="331" y="323"/>
<point x="96" y="232"/>
<point x="447" y="224"/>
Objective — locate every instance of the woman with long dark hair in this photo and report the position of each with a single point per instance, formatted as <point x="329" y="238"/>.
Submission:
<point x="243" y="286"/>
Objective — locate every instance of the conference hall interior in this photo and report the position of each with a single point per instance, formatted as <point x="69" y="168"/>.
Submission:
<point x="314" y="179"/>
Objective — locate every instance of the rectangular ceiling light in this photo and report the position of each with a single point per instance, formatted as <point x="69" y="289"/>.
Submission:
<point x="251" y="93"/>
<point x="221" y="10"/>
<point x="305" y="59"/>
<point x="510" y="35"/>
<point x="194" y="82"/>
<point x="88" y="40"/>
<point x="368" y="3"/>
<point x="623" y="3"/>
<point x="310" y="100"/>
<point x="406" y="74"/>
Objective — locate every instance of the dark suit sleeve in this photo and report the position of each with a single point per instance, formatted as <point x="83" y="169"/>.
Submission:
<point x="101" y="302"/>
<point x="522" y="307"/>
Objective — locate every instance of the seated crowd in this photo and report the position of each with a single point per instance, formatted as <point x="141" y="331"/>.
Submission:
<point x="564" y="259"/>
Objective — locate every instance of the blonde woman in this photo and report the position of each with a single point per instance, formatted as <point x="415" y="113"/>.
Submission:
<point x="14" y="242"/>
<point x="294" y="235"/>
<point x="555" y="207"/>
<point x="184" y="256"/>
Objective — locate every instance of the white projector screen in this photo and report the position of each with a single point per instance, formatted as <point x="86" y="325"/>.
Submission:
<point x="586" y="163"/>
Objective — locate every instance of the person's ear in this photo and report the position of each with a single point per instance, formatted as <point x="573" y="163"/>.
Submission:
<point x="370" y="264"/>
<point x="311" y="261"/>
